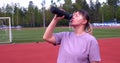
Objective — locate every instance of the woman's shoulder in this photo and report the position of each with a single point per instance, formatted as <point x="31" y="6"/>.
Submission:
<point x="68" y="33"/>
<point x="64" y="33"/>
<point x="89" y="36"/>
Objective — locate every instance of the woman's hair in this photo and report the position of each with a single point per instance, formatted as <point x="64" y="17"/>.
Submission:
<point x="88" y="27"/>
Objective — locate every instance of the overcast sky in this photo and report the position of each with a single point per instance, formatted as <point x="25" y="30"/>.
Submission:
<point x="24" y="3"/>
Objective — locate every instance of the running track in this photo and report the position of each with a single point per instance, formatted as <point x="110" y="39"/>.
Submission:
<point x="47" y="53"/>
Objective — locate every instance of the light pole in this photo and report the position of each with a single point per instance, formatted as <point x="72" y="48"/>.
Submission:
<point x="102" y="12"/>
<point x="12" y="14"/>
<point x="43" y="10"/>
<point x="115" y="13"/>
<point x="102" y="16"/>
<point x="18" y="5"/>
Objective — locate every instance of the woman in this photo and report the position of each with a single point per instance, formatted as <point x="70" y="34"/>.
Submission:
<point x="77" y="46"/>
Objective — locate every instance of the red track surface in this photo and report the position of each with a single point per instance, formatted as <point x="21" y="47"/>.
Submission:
<point x="110" y="50"/>
<point x="47" y="53"/>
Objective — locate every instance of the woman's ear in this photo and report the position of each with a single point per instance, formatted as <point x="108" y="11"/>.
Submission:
<point x="84" y="22"/>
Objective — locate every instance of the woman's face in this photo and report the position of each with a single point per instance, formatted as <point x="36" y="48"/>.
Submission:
<point x="77" y="19"/>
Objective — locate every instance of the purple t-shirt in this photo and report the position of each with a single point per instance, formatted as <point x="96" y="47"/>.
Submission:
<point x="77" y="49"/>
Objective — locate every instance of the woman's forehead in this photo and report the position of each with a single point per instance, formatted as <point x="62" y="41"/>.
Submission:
<point x="77" y="12"/>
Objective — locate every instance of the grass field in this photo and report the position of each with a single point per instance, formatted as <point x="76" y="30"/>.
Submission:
<point x="35" y="34"/>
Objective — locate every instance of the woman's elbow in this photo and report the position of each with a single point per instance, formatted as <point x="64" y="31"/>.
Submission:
<point x="95" y="62"/>
<point x="44" y="38"/>
<point x="49" y="39"/>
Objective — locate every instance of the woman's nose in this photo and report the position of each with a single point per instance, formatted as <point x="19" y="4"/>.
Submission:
<point x="73" y="16"/>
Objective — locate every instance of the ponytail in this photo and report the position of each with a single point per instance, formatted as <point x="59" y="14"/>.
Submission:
<point x="88" y="28"/>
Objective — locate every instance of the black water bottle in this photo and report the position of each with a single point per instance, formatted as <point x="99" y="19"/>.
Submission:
<point x="60" y="13"/>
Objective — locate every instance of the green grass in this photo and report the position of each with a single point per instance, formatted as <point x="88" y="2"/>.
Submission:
<point x="106" y="33"/>
<point x="35" y="34"/>
<point x="28" y="35"/>
<point x="4" y="35"/>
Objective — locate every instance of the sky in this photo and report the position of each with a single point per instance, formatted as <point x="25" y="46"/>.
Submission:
<point x="24" y="3"/>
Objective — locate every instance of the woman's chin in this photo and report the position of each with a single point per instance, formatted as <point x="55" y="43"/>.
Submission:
<point x="73" y="25"/>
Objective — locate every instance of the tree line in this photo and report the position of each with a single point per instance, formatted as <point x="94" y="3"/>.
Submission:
<point x="33" y="16"/>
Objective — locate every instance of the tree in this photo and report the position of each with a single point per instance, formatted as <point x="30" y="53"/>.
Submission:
<point x="23" y="12"/>
<point x="53" y="3"/>
<point x="113" y="2"/>
<point x="107" y="12"/>
<point x="67" y="6"/>
<point x="118" y="14"/>
<point x="38" y="17"/>
<point x="30" y="14"/>
<point x="94" y="11"/>
<point x="91" y="11"/>
<point x="113" y="5"/>
<point x="0" y="12"/>
<point x="85" y="6"/>
<point x="97" y="10"/>
<point x="17" y="14"/>
<point x="43" y="11"/>
<point x="78" y="4"/>
<point x="8" y="10"/>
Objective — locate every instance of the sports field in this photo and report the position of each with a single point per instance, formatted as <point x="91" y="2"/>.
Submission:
<point x="35" y="34"/>
<point x="26" y="50"/>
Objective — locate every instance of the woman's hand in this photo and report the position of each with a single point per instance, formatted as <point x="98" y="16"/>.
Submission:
<point x="56" y="18"/>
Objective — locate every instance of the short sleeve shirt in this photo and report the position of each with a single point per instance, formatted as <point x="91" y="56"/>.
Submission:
<point x="77" y="49"/>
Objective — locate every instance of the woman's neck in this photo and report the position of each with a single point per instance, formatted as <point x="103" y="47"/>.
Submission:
<point x="79" y="30"/>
